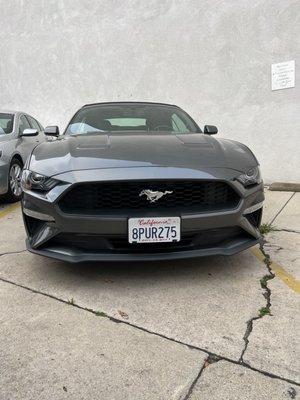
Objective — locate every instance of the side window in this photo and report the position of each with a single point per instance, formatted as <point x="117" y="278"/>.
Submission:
<point x="178" y="125"/>
<point x="6" y="123"/>
<point x="34" y="124"/>
<point x="41" y="126"/>
<point x="23" y="124"/>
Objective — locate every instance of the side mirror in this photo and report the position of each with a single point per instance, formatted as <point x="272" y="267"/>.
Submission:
<point x="29" y="132"/>
<point x="51" y="131"/>
<point x="210" y="129"/>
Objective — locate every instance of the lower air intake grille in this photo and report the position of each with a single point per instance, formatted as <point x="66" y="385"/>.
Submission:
<point x="255" y="218"/>
<point x="189" y="196"/>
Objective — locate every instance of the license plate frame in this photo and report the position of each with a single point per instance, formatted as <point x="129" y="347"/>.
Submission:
<point x="168" y="230"/>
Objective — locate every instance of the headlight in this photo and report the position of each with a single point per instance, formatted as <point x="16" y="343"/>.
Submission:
<point x="34" y="181"/>
<point x="251" y="177"/>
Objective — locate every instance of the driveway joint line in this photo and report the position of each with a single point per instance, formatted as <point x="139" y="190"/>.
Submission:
<point x="211" y="359"/>
<point x="285" y="204"/>
<point x="191" y="388"/>
<point x="211" y="355"/>
<point x="285" y="230"/>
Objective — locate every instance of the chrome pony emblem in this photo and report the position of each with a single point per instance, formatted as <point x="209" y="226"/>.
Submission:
<point x="153" y="196"/>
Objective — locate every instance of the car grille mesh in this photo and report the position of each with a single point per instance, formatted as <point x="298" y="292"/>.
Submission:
<point x="186" y="196"/>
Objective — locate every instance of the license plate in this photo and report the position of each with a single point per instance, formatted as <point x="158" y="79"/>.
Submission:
<point x="154" y="229"/>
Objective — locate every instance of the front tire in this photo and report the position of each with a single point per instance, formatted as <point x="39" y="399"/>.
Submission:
<point x="14" y="192"/>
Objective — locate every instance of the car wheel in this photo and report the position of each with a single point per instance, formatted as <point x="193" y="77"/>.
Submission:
<point x="14" y="192"/>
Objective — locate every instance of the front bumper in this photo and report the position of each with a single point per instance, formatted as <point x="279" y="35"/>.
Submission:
<point x="76" y="256"/>
<point x="80" y="238"/>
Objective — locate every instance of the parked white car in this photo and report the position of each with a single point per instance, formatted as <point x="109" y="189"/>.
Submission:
<point x="19" y="134"/>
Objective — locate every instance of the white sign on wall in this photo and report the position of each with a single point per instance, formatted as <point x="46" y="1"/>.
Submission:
<point x="283" y="75"/>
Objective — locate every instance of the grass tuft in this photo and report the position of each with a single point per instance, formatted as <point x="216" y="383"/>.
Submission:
<point x="265" y="280"/>
<point x="100" y="314"/>
<point x="266" y="228"/>
<point x="264" y="311"/>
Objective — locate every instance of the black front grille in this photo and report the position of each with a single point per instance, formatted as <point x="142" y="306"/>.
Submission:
<point x="197" y="196"/>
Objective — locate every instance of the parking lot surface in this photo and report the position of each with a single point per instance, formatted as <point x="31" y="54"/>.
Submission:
<point x="211" y="328"/>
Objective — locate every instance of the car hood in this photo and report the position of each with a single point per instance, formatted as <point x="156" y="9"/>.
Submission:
<point x="121" y="150"/>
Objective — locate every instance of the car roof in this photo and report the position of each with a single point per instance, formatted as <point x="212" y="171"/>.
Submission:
<point x="11" y="112"/>
<point x="129" y="103"/>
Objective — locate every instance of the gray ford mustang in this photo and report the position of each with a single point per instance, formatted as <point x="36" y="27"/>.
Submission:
<point x="140" y="181"/>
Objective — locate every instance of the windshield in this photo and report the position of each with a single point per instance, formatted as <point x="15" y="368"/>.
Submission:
<point x="131" y="117"/>
<point x="6" y="123"/>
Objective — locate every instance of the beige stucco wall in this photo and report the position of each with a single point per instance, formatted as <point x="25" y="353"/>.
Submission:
<point x="211" y="57"/>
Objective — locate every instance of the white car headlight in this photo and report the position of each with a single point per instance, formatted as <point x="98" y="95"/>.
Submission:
<point x="34" y="181"/>
<point x="251" y="177"/>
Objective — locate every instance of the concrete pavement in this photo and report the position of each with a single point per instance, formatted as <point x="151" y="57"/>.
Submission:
<point x="174" y="320"/>
<point x="51" y="350"/>
<point x="226" y="381"/>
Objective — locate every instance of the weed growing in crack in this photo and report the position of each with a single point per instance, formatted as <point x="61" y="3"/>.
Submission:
<point x="267" y="295"/>
<point x="264" y="284"/>
<point x="264" y="281"/>
<point x="266" y="228"/>
<point x="71" y="301"/>
<point x="267" y="260"/>
<point x="264" y="311"/>
<point x="292" y="393"/>
<point x="100" y="314"/>
<point x="213" y="358"/>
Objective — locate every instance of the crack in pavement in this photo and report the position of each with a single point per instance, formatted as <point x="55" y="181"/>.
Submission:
<point x="278" y="270"/>
<point x="12" y="252"/>
<point x="267" y="295"/>
<point x="211" y="355"/>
